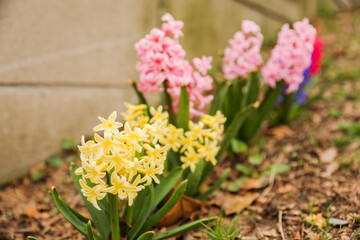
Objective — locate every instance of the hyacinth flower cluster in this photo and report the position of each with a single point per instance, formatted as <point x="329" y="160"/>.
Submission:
<point x="291" y="56"/>
<point x="242" y="55"/>
<point x="163" y="67"/>
<point x="290" y="104"/>
<point x="126" y="163"/>
<point x="199" y="142"/>
<point x="133" y="157"/>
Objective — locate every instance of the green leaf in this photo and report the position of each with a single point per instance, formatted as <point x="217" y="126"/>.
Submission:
<point x="67" y="213"/>
<point x="68" y="144"/>
<point x="277" y="169"/>
<point x="253" y="88"/>
<point x="238" y="146"/>
<point x="285" y="109"/>
<point x="140" y="96"/>
<point x="255" y="159"/>
<point x="184" y="112"/>
<point x="183" y="228"/>
<point x="166" y="184"/>
<point x="252" y="125"/>
<point x="172" y="160"/>
<point x="139" y="205"/>
<point x="244" y="169"/>
<point x="33" y="238"/>
<point x="174" y="199"/>
<point x="133" y="233"/>
<point x="357" y="219"/>
<point x="234" y="99"/>
<point x="235" y="186"/>
<point x="219" y="98"/>
<point x="90" y="233"/>
<point x="99" y="218"/>
<point x="55" y="161"/>
<point x="38" y="175"/>
<point x="216" y="184"/>
<point x="146" y="236"/>
<point x="194" y="179"/>
<point x="232" y="130"/>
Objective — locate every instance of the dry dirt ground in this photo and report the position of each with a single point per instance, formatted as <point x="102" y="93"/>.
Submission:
<point x="314" y="177"/>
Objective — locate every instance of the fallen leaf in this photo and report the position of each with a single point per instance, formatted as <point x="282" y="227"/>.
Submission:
<point x="330" y="169"/>
<point x="235" y="204"/>
<point x="280" y="132"/>
<point x="256" y="183"/>
<point x="286" y="189"/>
<point x="270" y="233"/>
<point x="31" y="211"/>
<point x="183" y="209"/>
<point x="328" y="155"/>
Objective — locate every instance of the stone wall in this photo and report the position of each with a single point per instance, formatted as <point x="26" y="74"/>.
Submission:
<point x="63" y="63"/>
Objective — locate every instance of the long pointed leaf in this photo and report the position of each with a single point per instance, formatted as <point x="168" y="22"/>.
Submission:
<point x="33" y="238"/>
<point x="219" y="98"/>
<point x="166" y="184"/>
<point x="90" y="233"/>
<point x="146" y="236"/>
<point x="253" y="89"/>
<point x="99" y="218"/>
<point x="252" y="126"/>
<point x="140" y="96"/>
<point x="194" y="179"/>
<point x="233" y="129"/>
<point x="184" y="228"/>
<point x="174" y="199"/>
<point x="184" y="112"/>
<point x="59" y="203"/>
<point x="139" y="205"/>
<point x="133" y="233"/>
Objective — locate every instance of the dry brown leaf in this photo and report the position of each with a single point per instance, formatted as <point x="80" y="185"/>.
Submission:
<point x="31" y="211"/>
<point x="286" y="188"/>
<point x="270" y="233"/>
<point x="235" y="204"/>
<point x="328" y="155"/>
<point x="330" y="169"/>
<point x="184" y="208"/>
<point x="256" y="183"/>
<point x="281" y="132"/>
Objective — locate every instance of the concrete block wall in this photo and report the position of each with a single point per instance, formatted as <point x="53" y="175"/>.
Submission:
<point x="63" y="63"/>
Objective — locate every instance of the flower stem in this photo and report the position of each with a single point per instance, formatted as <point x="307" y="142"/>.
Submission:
<point x="114" y="217"/>
<point x="169" y="104"/>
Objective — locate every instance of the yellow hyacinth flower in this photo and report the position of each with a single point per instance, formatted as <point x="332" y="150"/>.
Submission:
<point x="92" y="194"/>
<point x="133" y="137"/>
<point x="127" y="154"/>
<point x="150" y="171"/>
<point x="86" y="149"/>
<point x="109" y="124"/>
<point x="215" y="122"/>
<point x="191" y="159"/>
<point x="123" y="188"/>
<point x="158" y="114"/>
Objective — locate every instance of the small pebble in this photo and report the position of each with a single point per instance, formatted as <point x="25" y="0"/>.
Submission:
<point x="337" y="222"/>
